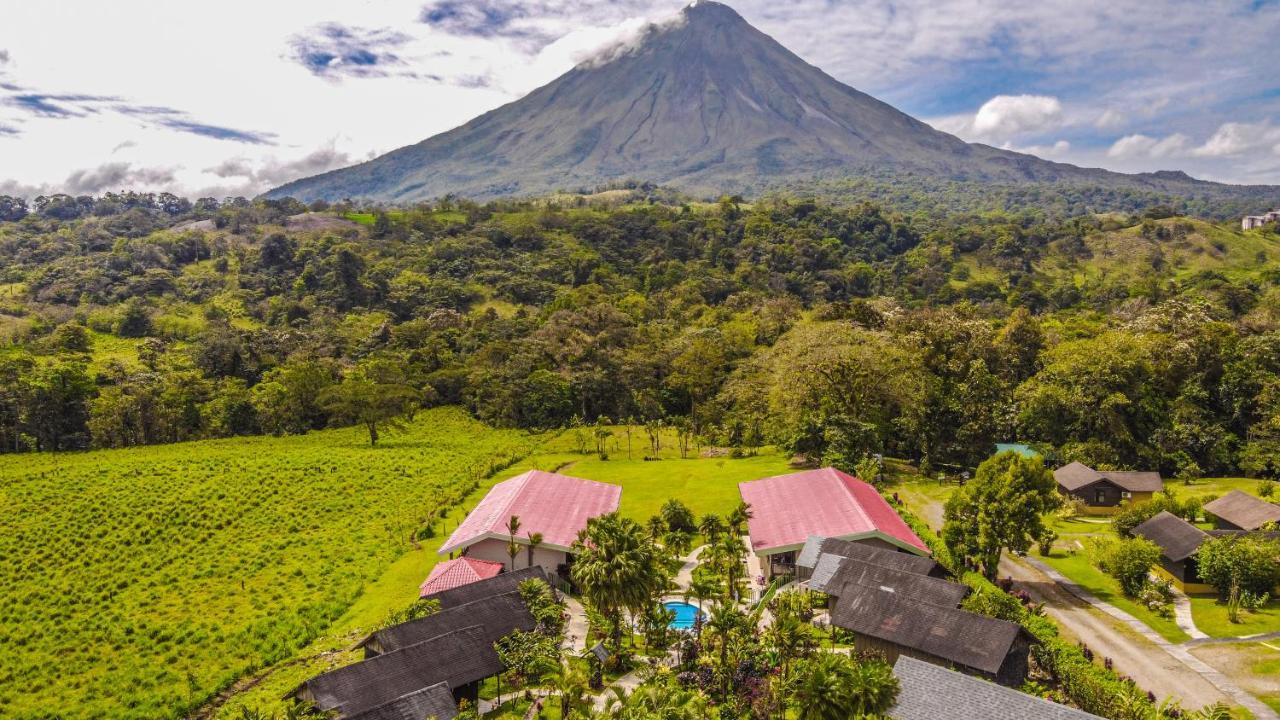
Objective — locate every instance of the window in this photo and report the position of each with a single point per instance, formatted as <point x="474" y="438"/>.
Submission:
<point x="1099" y="497"/>
<point x="1125" y="494"/>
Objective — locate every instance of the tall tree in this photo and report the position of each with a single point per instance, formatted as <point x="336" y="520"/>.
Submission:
<point x="375" y="394"/>
<point x="1002" y="508"/>
<point x="617" y="566"/>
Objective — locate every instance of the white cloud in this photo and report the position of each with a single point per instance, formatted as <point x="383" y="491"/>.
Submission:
<point x="1058" y="149"/>
<point x="1138" y="145"/>
<point x="1010" y="115"/>
<point x="1110" y="119"/>
<point x="1238" y="138"/>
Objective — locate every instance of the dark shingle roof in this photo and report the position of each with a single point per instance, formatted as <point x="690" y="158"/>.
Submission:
<point x="920" y="588"/>
<point x="815" y="547"/>
<point x="498" y="615"/>
<point x="1177" y="538"/>
<point x="498" y="585"/>
<point x="455" y="658"/>
<point x="957" y="636"/>
<point x="1244" y="510"/>
<point x="435" y="702"/>
<point x="930" y="692"/>
<point x="1075" y="476"/>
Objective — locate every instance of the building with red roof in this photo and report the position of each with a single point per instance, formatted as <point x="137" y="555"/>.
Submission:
<point x="553" y="505"/>
<point x="788" y="509"/>
<point x="455" y="573"/>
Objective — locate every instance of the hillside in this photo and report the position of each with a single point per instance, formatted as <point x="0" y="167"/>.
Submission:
<point x="706" y="104"/>
<point x="139" y="582"/>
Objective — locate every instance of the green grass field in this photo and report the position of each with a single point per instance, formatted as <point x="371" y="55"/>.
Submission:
<point x="139" y="582"/>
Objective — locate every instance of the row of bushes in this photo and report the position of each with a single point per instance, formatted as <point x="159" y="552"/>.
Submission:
<point x="1090" y="687"/>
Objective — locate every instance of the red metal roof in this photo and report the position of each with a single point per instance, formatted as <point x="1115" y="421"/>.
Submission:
<point x="558" y="506"/>
<point x="456" y="573"/>
<point x="787" y="509"/>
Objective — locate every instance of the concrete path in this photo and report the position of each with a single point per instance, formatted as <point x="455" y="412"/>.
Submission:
<point x="685" y="575"/>
<point x="1182" y="615"/>
<point x="1259" y="637"/>
<point x="1220" y="682"/>
<point x="575" y="630"/>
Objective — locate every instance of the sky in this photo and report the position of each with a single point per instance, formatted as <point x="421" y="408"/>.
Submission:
<point x="236" y="97"/>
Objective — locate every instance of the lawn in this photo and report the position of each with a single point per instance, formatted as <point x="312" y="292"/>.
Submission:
<point x="1081" y="570"/>
<point x="1211" y="618"/>
<point x="139" y="582"/>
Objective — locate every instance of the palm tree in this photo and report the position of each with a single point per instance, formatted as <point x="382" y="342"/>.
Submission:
<point x="617" y="567"/>
<point x="729" y="551"/>
<point x="711" y="526"/>
<point x="571" y="685"/>
<point x="513" y="548"/>
<point x="739" y="517"/>
<point x="829" y="686"/>
<point x="703" y="586"/>
<point x="535" y="539"/>
<point x="790" y="638"/>
<point x="726" y="621"/>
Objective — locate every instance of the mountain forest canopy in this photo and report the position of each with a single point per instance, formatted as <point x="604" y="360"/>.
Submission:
<point x="1145" y="340"/>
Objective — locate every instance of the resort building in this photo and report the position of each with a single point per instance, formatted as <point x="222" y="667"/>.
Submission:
<point x="815" y="548"/>
<point x="789" y="509"/>
<point x="1241" y="511"/>
<point x="555" y="507"/>
<point x="930" y="692"/>
<point x="1250" y="222"/>
<point x="834" y="573"/>
<point x="1179" y="542"/>
<point x="461" y="571"/>
<point x="1102" y="491"/>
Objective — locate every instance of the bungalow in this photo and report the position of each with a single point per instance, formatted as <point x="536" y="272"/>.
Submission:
<point x="891" y="624"/>
<point x="834" y="573"/>
<point x="929" y="692"/>
<point x="1241" y="511"/>
<point x="815" y="547"/>
<point x="434" y="702"/>
<point x="555" y="506"/>
<point x="458" y="572"/>
<point x="499" y="616"/>
<point x="789" y="509"/>
<point x="1103" y="490"/>
<point x="498" y="585"/>
<point x="1179" y="542"/>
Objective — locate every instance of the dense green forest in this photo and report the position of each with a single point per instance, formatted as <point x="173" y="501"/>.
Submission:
<point x="1147" y="339"/>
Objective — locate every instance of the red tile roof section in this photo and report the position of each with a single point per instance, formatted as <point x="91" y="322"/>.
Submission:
<point x="787" y="509"/>
<point x="558" y="506"/>
<point x="456" y="573"/>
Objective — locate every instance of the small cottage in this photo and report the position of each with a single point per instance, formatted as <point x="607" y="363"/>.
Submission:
<point x="1103" y="491"/>
<point x="1241" y="511"/>
<point x="1179" y="542"/>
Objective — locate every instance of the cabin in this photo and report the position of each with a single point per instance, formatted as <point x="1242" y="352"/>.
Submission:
<point x="815" y="547"/>
<point x="1179" y="542"/>
<point x="1241" y="511"/>
<point x="451" y="649"/>
<point x="834" y="573"/>
<point x="894" y="625"/>
<point x="929" y="692"/>
<point x="789" y="509"/>
<point x="1103" y="491"/>
<point x="553" y="505"/>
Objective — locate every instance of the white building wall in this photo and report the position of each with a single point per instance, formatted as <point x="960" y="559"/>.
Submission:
<point x="496" y="550"/>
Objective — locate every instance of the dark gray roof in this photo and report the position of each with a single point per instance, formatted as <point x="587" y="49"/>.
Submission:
<point x="498" y="615"/>
<point x="1075" y="476"/>
<point x="815" y="547"/>
<point x="957" y="636"/>
<point x="1177" y="538"/>
<point x="455" y="659"/>
<point x="496" y="585"/>
<point x="435" y="703"/>
<point x="930" y="692"/>
<point x="921" y="588"/>
<point x="1244" y="510"/>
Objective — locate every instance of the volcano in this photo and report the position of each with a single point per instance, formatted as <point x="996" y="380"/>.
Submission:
<point x="705" y="103"/>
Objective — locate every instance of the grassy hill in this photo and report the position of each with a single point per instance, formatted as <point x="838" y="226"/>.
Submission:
<point x="139" y="582"/>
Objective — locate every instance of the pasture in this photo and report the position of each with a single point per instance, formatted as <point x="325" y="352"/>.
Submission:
<point x="138" y="583"/>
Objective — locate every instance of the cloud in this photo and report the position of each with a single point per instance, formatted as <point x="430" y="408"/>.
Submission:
<point x="232" y="167"/>
<point x="115" y="176"/>
<point x="1012" y="115"/>
<point x="217" y="132"/>
<point x="4" y="57"/>
<point x="334" y="51"/>
<point x="476" y="18"/>
<point x="1238" y="138"/>
<point x="1140" y="146"/>
<point x="57" y="106"/>
<point x="1056" y="150"/>
<point x="8" y="131"/>
<point x="1110" y="119"/>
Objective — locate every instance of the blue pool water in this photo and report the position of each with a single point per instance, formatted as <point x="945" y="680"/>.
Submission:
<point x="686" y="614"/>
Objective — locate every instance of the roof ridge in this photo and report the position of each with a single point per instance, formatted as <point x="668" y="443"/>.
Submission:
<point x="846" y="481"/>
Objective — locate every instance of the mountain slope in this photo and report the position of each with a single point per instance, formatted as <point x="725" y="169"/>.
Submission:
<point x="707" y="104"/>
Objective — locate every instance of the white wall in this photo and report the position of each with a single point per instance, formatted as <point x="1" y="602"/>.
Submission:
<point x="496" y="551"/>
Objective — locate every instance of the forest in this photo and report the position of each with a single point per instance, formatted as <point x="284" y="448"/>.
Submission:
<point x="1138" y="339"/>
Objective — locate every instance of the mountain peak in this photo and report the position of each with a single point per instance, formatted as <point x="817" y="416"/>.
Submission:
<point x="710" y="10"/>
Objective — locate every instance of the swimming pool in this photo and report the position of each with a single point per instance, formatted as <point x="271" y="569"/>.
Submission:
<point x="686" y="614"/>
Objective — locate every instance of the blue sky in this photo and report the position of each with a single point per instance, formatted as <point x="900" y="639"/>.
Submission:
<point x="99" y="96"/>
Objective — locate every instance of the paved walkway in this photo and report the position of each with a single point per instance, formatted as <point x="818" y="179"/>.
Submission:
<point x="1179" y="652"/>
<point x="575" y="631"/>
<point x="1182" y="615"/>
<point x="685" y="575"/>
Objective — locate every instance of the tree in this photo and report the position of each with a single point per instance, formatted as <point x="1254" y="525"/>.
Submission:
<point x="55" y="401"/>
<point x="1249" y="562"/>
<point x="535" y="539"/>
<point x="529" y="655"/>
<point x="617" y="566"/>
<point x="678" y="517"/>
<point x="836" y="687"/>
<point x="1002" y="508"/>
<point x="513" y="547"/>
<point x="570" y="684"/>
<point x="374" y="394"/>
<point x="1129" y="561"/>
